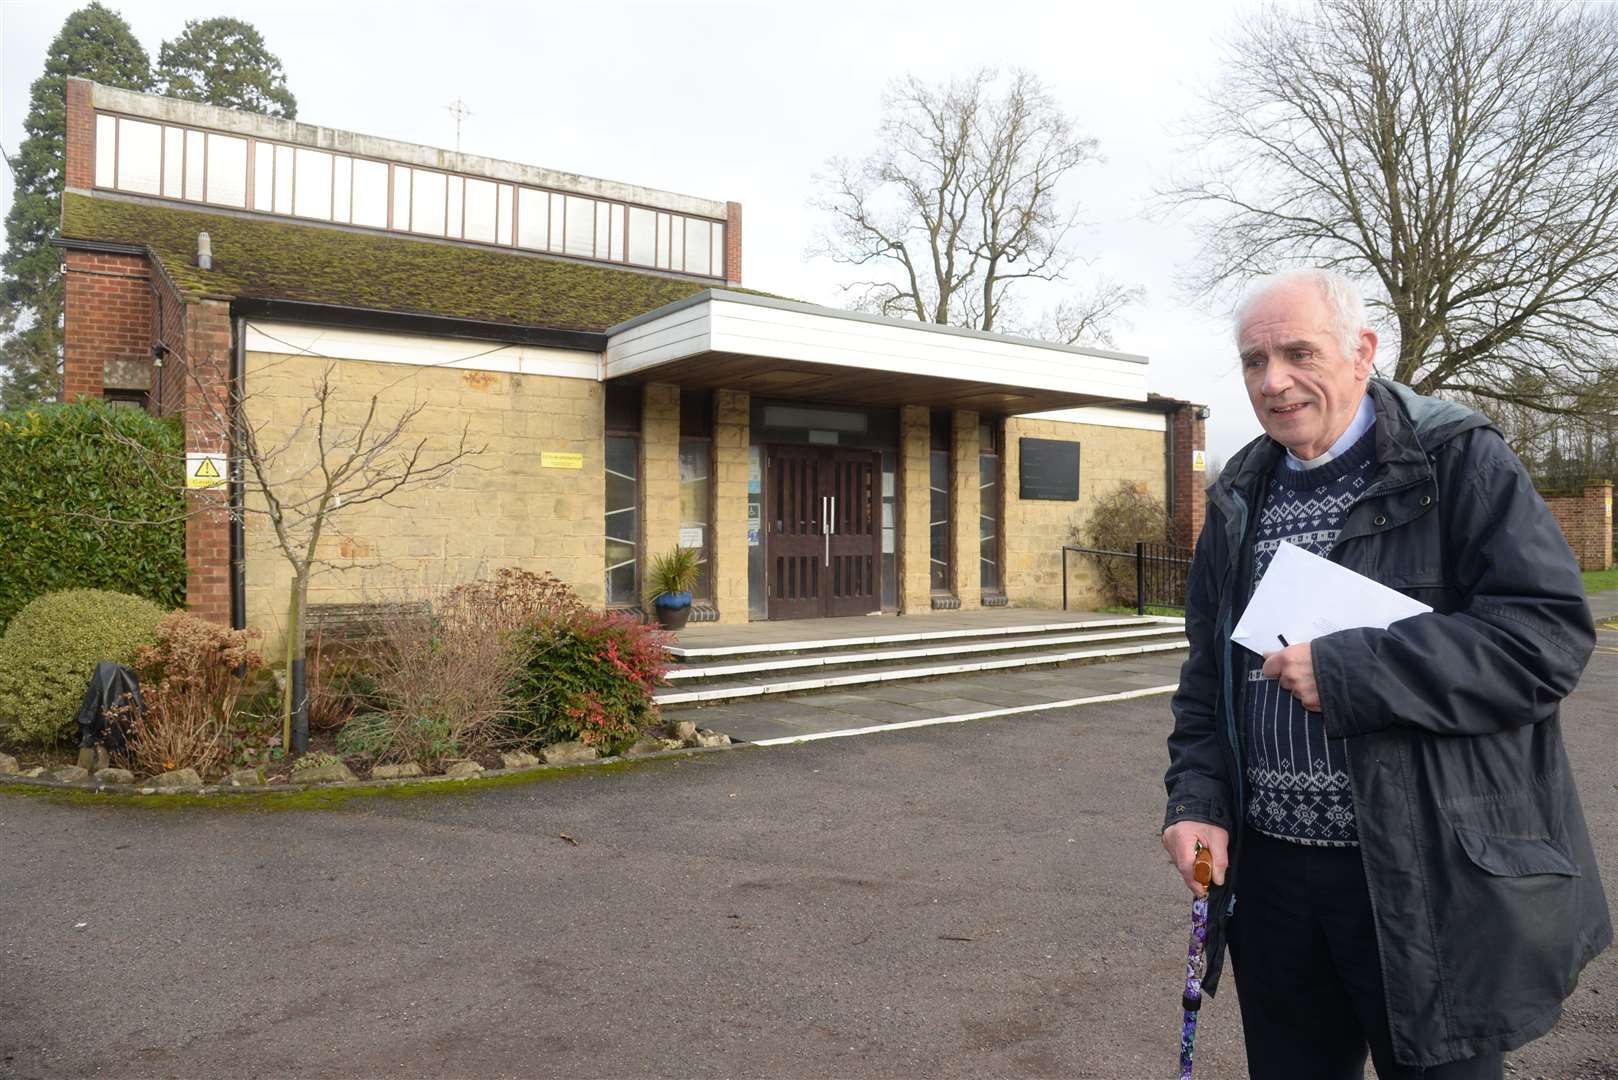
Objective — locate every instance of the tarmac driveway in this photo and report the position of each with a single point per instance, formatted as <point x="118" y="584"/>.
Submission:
<point x="967" y="900"/>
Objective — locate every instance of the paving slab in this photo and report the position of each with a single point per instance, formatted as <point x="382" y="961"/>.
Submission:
<point x="769" y="717"/>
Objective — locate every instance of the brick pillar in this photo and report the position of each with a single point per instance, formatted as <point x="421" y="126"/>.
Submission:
<point x="1598" y="501"/>
<point x="1586" y="522"/>
<point x="207" y="531"/>
<point x="107" y="319"/>
<point x="965" y="503"/>
<point x="733" y="243"/>
<point x="659" y="477"/>
<point x="79" y="168"/>
<point x="1190" y="485"/>
<point x="915" y="509"/>
<point x="731" y="433"/>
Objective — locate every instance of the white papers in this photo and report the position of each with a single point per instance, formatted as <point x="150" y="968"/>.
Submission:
<point x="1303" y="597"/>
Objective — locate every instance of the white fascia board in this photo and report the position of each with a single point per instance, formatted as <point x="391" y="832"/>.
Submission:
<point x="292" y="132"/>
<point x="787" y="334"/>
<point x="420" y="350"/>
<point x="722" y="323"/>
<point x="1100" y="416"/>
<point x="686" y="331"/>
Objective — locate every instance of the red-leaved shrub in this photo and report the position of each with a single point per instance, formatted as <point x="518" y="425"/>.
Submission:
<point x="589" y="676"/>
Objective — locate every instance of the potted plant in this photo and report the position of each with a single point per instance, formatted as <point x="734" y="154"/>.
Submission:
<point x="673" y="577"/>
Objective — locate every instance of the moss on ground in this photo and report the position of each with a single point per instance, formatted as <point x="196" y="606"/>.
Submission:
<point x="335" y="797"/>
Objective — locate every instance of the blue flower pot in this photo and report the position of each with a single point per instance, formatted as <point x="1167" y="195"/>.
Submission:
<point x="673" y="609"/>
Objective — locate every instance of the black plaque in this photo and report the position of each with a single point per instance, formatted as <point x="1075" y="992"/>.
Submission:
<point x="1049" y="469"/>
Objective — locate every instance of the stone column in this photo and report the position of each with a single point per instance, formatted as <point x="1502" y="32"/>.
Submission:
<point x="732" y="410"/>
<point x="965" y="502"/>
<point x="915" y="510"/>
<point x="659" y="478"/>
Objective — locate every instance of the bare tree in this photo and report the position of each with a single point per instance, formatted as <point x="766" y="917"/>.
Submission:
<point x="963" y="199"/>
<point x="1463" y="154"/>
<point x="302" y="480"/>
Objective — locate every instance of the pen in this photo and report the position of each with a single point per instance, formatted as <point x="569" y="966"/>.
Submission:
<point x="1283" y="641"/>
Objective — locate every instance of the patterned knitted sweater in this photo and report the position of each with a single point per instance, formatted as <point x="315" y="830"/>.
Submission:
<point x="1297" y="776"/>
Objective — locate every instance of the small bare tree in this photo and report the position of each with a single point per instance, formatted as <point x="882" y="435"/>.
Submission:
<point x="1462" y="154"/>
<point x="964" y="199"/>
<point x="303" y="479"/>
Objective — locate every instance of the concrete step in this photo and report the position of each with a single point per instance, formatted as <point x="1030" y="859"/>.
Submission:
<point x="811" y="643"/>
<point x="741" y="687"/>
<point x="1022" y="642"/>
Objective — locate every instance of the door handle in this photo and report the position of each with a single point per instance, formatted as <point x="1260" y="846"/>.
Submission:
<point x="825" y="531"/>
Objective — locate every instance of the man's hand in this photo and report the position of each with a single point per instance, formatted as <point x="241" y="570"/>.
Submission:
<point x="1294" y="666"/>
<point x="1180" y="841"/>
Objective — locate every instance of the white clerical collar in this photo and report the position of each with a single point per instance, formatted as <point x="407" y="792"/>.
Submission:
<point x="1363" y="419"/>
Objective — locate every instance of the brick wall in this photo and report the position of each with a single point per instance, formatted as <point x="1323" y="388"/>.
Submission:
<point x="1036" y="529"/>
<point x="503" y="507"/>
<point x="107" y="320"/>
<point x="1586" y="521"/>
<point x="207" y="532"/>
<point x="733" y="243"/>
<point x="1190" y="485"/>
<point x="80" y="146"/>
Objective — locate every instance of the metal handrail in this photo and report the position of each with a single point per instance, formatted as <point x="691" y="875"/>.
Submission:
<point x="1139" y="555"/>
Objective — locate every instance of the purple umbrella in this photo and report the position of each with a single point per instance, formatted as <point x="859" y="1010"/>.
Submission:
<point x="1196" y="959"/>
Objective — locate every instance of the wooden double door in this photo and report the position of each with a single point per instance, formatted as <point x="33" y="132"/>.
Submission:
<point x="823" y="534"/>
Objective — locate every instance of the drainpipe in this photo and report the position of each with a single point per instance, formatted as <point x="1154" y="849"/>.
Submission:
<point x="238" y="571"/>
<point x="1168" y="468"/>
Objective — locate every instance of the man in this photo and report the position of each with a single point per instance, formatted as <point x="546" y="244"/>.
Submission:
<point x="1400" y="861"/>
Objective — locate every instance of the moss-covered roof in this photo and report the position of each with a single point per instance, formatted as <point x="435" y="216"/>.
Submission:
<point x="282" y="260"/>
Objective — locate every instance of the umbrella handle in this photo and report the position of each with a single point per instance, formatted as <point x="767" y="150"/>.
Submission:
<point x="1202" y="870"/>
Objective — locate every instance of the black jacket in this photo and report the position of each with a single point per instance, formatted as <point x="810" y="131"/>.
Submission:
<point x="1483" y="883"/>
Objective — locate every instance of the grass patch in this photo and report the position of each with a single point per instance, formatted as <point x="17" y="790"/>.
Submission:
<point x="1600" y="580"/>
<point x="1151" y="609"/>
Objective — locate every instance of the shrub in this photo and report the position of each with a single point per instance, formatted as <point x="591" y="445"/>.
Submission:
<point x="50" y="650"/>
<point x="439" y="680"/>
<point x="71" y="476"/>
<point x="589" y="676"/>
<point x="1122" y="517"/>
<point x="192" y="678"/>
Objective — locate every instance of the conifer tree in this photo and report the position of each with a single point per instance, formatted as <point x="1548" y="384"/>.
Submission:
<point x="223" y="61"/>
<point x="95" y="43"/>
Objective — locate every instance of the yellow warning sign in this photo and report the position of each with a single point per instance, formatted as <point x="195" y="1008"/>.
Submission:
<point x="205" y="471"/>
<point x="551" y="459"/>
<point x="1199" y="461"/>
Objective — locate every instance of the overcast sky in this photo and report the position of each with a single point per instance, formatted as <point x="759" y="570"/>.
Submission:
<point x="746" y="101"/>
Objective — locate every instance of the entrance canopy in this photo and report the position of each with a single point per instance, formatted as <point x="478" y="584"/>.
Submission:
<point x="779" y="348"/>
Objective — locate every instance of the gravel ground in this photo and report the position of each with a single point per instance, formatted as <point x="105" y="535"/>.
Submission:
<point x="987" y="899"/>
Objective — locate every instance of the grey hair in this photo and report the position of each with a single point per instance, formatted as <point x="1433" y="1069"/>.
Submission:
<point x="1344" y="303"/>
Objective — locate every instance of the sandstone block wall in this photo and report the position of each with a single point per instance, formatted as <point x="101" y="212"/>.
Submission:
<point x="965" y="504"/>
<point x="660" y="478"/>
<point x="500" y="507"/>
<point x="915" y="510"/>
<point x="1035" y="530"/>
<point x="731" y="430"/>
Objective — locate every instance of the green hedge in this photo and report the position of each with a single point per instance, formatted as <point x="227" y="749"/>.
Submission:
<point x="50" y="650"/>
<point x="61" y="462"/>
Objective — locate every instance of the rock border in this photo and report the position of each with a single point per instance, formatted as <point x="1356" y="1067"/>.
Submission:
<point x="145" y="788"/>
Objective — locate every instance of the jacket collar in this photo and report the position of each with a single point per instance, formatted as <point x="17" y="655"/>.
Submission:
<point x="1408" y="426"/>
